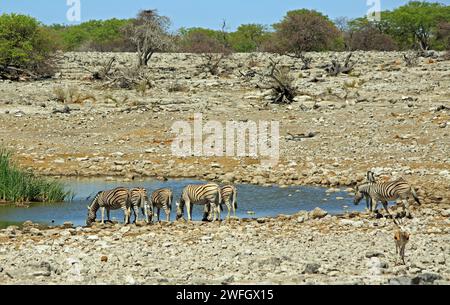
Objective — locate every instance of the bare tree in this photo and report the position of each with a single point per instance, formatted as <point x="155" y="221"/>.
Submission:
<point x="305" y="59"/>
<point x="411" y="60"/>
<point x="149" y="34"/>
<point x="335" y="68"/>
<point x="280" y="82"/>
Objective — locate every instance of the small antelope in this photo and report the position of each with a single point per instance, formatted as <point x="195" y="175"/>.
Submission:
<point x="401" y="237"/>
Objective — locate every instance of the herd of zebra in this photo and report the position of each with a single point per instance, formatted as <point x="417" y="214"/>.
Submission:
<point x="213" y="197"/>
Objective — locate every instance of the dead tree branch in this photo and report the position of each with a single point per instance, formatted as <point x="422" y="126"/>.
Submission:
<point x="306" y="60"/>
<point x="280" y="82"/>
<point x="336" y="68"/>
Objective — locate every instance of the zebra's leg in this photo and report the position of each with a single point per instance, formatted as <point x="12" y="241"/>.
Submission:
<point x="136" y="214"/>
<point x="385" y="206"/>
<point x="189" y="209"/>
<point x="127" y="214"/>
<point x="167" y="215"/>
<point x="206" y="212"/>
<point x="103" y="215"/>
<point x="229" y="210"/>
<point x="108" y="215"/>
<point x="159" y="210"/>
<point x="216" y="210"/>
<point x="143" y="210"/>
<point x="406" y="210"/>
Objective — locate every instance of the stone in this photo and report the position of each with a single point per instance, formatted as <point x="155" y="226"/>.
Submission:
<point x="426" y="278"/>
<point x="401" y="280"/>
<point x="125" y="229"/>
<point x="311" y="268"/>
<point x="318" y="213"/>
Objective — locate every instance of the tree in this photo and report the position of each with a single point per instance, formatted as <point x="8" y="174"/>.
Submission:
<point x="24" y="45"/>
<point x="95" y="35"/>
<point x="248" y="37"/>
<point x="416" y="23"/>
<point x="200" y="40"/>
<point x="369" y="38"/>
<point x="305" y="30"/>
<point x="443" y="35"/>
<point x="149" y="34"/>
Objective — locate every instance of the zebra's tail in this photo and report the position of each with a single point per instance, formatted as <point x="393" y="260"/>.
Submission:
<point x="416" y="198"/>
<point x="235" y="200"/>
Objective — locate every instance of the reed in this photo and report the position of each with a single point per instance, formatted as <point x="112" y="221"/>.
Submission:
<point x="19" y="186"/>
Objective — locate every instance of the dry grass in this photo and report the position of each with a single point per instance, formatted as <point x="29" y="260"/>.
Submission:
<point x="71" y="95"/>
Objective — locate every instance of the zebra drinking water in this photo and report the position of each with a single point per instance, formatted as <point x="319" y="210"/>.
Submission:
<point x="139" y="200"/>
<point x="206" y="194"/>
<point x="118" y="198"/>
<point x="161" y="198"/>
<point x="387" y="191"/>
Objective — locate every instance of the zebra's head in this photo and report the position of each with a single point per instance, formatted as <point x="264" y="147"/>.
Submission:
<point x="90" y="216"/>
<point x="179" y="210"/>
<point x="359" y="194"/>
<point x="92" y="211"/>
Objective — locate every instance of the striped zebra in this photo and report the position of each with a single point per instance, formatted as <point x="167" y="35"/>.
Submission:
<point x="139" y="200"/>
<point x="229" y="198"/>
<point x="118" y="198"/>
<point x="387" y="191"/>
<point x="206" y="194"/>
<point x="370" y="178"/>
<point x="161" y="199"/>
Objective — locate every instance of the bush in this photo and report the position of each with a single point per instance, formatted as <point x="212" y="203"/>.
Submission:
<point x="370" y="38"/>
<point x="17" y="185"/>
<point x="199" y="40"/>
<point x="25" y="44"/>
<point x="95" y="35"/>
<point x="305" y="30"/>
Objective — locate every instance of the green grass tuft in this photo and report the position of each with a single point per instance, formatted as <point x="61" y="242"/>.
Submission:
<point x="19" y="186"/>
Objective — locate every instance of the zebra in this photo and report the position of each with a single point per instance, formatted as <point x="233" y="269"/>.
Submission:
<point x="118" y="198"/>
<point x="370" y="178"/>
<point x="207" y="194"/>
<point x="387" y="191"/>
<point x="161" y="198"/>
<point x="139" y="200"/>
<point x="229" y="198"/>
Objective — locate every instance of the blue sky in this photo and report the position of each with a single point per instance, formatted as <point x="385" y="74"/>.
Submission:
<point x="189" y="13"/>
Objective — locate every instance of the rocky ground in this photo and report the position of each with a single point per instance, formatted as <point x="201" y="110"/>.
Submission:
<point x="384" y="116"/>
<point x="306" y="248"/>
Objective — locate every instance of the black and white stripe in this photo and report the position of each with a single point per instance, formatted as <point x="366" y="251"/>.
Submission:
<point x="205" y="194"/>
<point x="139" y="200"/>
<point x="387" y="191"/>
<point x="118" y="198"/>
<point x="229" y="198"/>
<point x="161" y="199"/>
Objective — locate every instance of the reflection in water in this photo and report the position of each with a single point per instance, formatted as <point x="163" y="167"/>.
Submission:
<point x="253" y="201"/>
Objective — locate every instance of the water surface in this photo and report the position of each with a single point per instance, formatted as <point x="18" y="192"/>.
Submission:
<point x="253" y="201"/>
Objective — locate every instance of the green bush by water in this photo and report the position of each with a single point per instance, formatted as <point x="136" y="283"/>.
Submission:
<point x="18" y="186"/>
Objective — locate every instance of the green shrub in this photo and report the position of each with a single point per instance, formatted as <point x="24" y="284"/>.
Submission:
<point x="24" y="43"/>
<point x="17" y="185"/>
